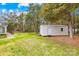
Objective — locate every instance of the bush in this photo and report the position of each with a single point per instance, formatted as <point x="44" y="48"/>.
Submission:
<point x="3" y="36"/>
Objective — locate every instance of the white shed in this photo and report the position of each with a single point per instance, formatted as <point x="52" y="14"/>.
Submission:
<point x="3" y="28"/>
<point x="3" y="25"/>
<point x="53" y="30"/>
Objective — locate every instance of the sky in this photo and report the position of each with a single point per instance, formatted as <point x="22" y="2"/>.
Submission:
<point x="14" y="7"/>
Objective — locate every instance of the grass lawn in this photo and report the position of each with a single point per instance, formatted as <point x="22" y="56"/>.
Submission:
<point x="30" y="44"/>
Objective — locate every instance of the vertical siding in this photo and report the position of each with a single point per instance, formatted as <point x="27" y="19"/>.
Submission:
<point x="53" y="30"/>
<point x="1" y="30"/>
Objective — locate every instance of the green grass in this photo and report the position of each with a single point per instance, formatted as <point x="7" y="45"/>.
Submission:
<point x="30" y="44"/>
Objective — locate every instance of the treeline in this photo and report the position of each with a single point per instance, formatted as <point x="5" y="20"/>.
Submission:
<point x="53" y="13"/>
<point x="25" y="22"/>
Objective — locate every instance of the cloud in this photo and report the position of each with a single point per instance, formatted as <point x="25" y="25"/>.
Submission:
<point x="23" y="4"/>
<point x="25" y="12"/>
<point x="17" y="12"/>
<point x="4" y="10"/>
<point x="10" y="10"/>
<point x="3" y="3"/>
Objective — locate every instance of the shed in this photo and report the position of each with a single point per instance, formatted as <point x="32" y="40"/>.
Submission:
<point x="53" y="30"/>
<point x="3" y="26"/>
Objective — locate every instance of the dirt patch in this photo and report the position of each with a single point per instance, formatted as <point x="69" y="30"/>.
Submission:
<point x="66" y="40"/>
<point x="9" y="35"/>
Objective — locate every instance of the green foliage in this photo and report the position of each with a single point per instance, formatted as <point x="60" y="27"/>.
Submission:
<point x="32" y="18"/>
<point x="57" y="11"/>
<point x="11" y="26"/>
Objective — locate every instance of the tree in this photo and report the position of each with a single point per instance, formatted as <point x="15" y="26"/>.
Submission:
<point x="11" y="20"/>
<point x="32" y="16"/>
<point x="56" y="12"/>
<point x="11" y="26"/>
<point x="21" y="22"/>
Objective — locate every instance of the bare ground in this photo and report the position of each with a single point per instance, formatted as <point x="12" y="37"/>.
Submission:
<point x="66" y="40"/>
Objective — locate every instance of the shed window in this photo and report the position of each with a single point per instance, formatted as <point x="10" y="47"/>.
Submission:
<point x="62" y="29"/>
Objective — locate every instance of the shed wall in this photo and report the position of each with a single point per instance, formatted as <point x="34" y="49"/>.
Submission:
<point x="53" y="30"/>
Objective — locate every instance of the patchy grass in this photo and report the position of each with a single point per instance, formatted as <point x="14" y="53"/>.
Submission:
<point x="30" y="44"/>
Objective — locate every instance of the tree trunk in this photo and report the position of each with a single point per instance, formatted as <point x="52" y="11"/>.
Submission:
<point x="70" y="31"/>
<point x="74" y="29"/>
<point x="71" y="26"/>
<point x="23" y="25"/>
